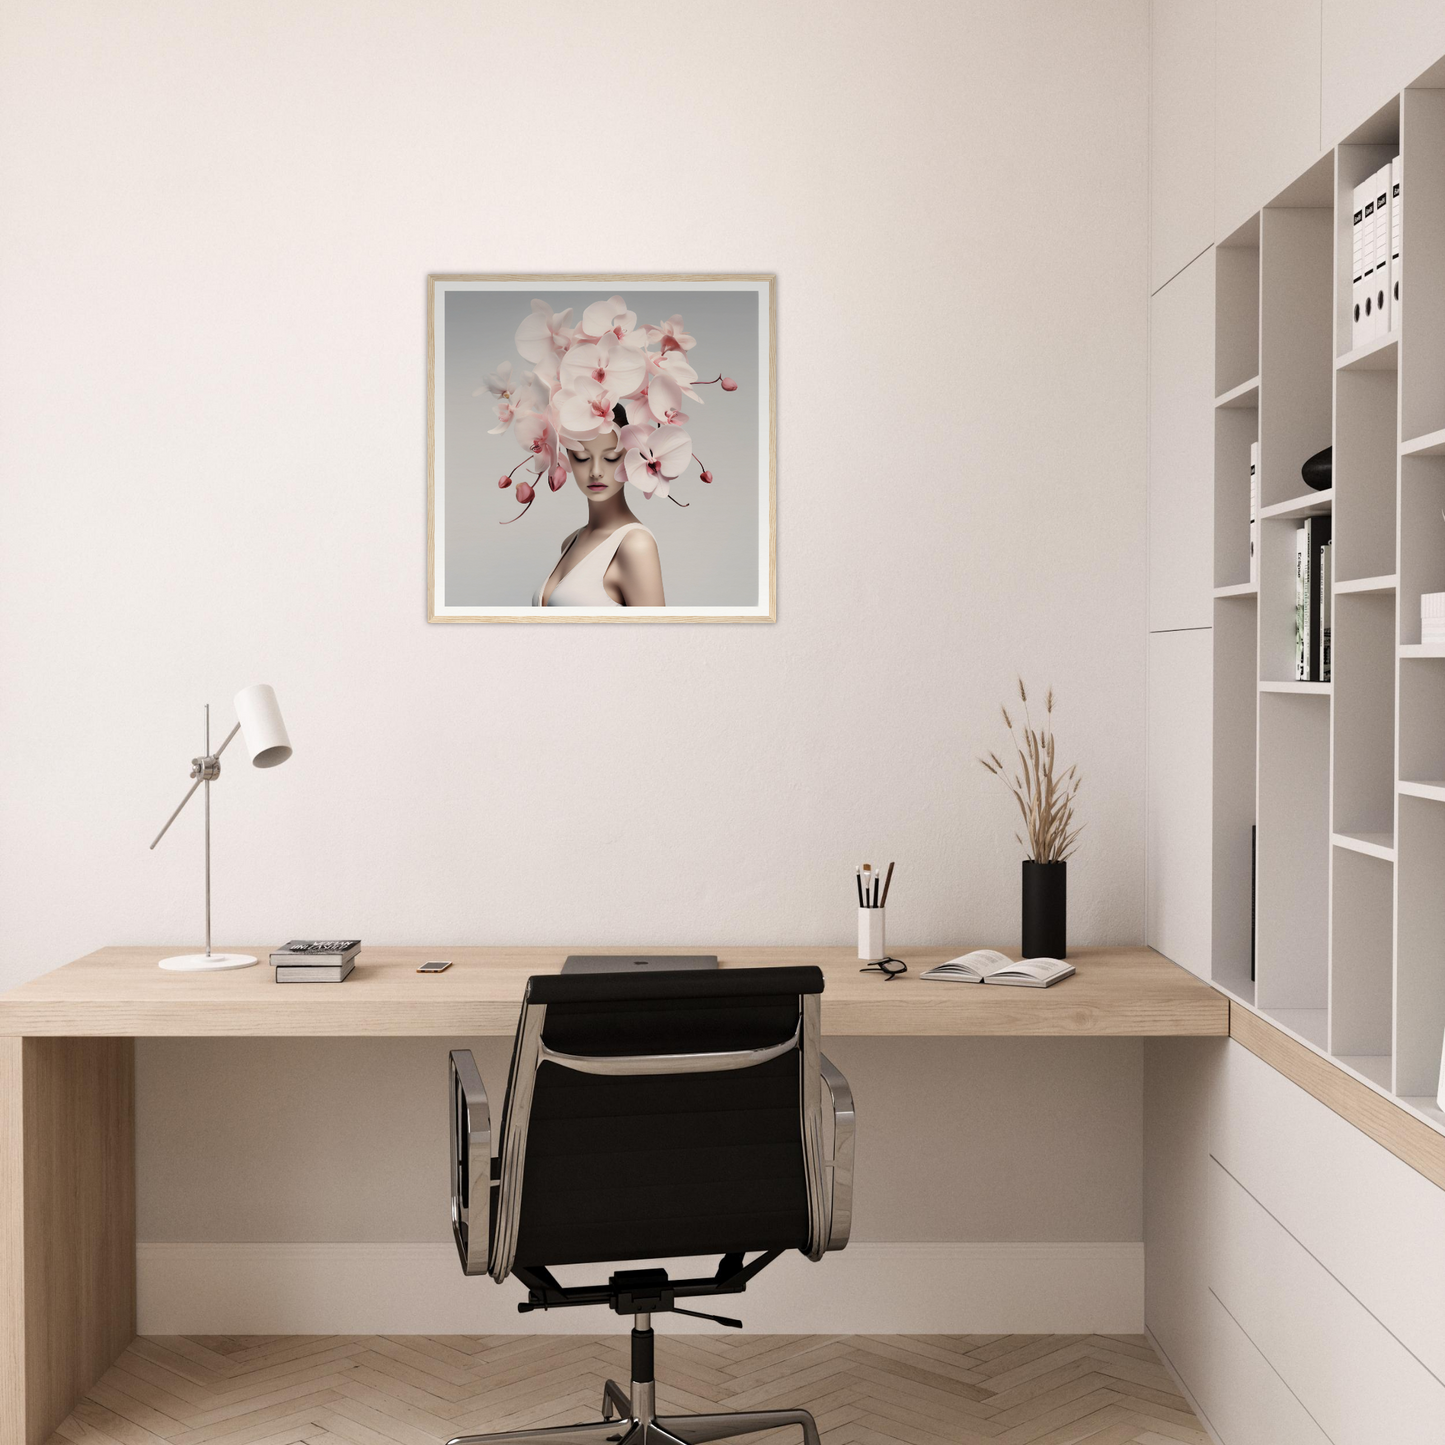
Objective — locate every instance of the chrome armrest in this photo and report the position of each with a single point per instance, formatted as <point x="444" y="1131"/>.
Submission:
<point x="471" y="1126"/>
<point x="840" y="1166"/>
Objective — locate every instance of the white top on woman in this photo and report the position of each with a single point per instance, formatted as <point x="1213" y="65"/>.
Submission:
<point x="583" y="585"/>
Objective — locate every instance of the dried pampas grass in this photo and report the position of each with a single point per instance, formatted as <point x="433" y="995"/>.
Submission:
<point x="1046" y="801"/>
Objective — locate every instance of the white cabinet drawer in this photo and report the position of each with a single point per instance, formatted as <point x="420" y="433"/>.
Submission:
<point x="1355" y="1379"/>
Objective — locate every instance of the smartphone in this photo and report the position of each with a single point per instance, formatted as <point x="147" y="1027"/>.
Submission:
<point x="435" y="965"/>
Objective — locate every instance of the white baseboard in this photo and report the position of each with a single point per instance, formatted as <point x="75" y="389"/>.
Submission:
<point x="306" y="1289"/>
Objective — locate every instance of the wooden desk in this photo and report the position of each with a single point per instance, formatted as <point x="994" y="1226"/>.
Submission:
<point x="67" y="1091"/>
<point x="119" y="992"/>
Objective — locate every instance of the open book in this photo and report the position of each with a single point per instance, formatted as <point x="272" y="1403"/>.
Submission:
<point x="987" y="965"/>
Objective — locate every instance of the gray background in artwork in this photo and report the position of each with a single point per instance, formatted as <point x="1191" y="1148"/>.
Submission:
<point x="709" y="550"/>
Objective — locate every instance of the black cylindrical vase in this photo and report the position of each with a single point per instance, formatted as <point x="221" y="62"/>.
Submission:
<point x="1046" y="909"/>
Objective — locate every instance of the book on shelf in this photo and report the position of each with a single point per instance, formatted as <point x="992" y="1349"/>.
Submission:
<point x="1310" y="611"/>
<point x="988" y="965"/>
<point x="1253" y="892"/>
<point x="1254" y="513"/>
<point x="316" y="952"/>
<point x="1381" y="294"/>
<point x="314" y="972"/>
<point x="1396" y="227"/>
<point x="1301" y="606"/>
<point x="1357" y="267"/>
<point x="1326" y="606"/>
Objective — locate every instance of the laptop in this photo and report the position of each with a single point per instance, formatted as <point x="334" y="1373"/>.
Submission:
<point x="637" y="962"/>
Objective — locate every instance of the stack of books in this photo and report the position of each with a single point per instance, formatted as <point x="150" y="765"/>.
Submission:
<point x="315" y="960"/>
<point x="1313" y="581"/>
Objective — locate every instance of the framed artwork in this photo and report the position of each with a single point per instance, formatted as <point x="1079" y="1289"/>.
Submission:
<point x="601" y="449"/>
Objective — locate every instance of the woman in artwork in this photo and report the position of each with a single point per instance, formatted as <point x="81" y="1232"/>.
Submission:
<point x="603" y="403"/>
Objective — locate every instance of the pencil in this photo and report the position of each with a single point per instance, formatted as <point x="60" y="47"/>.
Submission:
<point x="887" y="883"/>
<point x="858" y="879"/>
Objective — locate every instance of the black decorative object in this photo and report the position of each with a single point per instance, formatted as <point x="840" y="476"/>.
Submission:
<point x="1319" y="471"/>
<point x="1046" y="908"/>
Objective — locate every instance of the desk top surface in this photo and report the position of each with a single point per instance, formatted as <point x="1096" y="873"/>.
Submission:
<point x="120" y="992"/>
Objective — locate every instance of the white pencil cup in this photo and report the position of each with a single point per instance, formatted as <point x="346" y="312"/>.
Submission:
<point x="871" y="946"/>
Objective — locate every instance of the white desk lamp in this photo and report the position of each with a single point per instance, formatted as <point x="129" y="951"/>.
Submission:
<point x="258" y="720"/>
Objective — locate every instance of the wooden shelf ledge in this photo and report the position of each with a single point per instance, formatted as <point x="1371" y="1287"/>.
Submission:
<point x="1389" y="1120"/>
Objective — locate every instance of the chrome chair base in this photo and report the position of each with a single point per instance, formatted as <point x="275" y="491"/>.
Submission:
<point x="641" y="1427"/>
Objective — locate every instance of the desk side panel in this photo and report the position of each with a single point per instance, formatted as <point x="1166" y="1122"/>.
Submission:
<point x="77" y="1153"/>
<point x="12" y="1244"/>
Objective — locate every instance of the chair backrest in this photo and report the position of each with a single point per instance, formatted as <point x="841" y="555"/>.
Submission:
<point x="662" y="1115"/>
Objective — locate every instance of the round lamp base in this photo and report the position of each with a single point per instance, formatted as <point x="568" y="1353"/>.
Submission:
<point x="207" y="962"/>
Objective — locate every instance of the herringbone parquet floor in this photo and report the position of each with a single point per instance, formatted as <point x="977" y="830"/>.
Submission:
<point x="419" y="1390"/>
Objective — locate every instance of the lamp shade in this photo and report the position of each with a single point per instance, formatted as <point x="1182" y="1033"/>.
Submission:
<point x="262" y="730"/>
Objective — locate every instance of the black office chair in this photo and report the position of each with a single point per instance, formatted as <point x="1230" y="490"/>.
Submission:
<point x="650" y="1117"/>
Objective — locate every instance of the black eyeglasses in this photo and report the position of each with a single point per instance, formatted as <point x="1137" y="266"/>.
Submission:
<point x="890" y="968"/>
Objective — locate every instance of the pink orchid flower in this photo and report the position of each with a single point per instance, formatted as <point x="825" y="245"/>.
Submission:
<point x="618" y="368"/>
<point x="675" y="365"/>
<point x="584" y="410"/>
<point x="507" y="412"/>
<point x="652" y="462"/>
<point x="499" y="382"/>
<point x="604" y="317"/>
<point x="673" y="337"/>
<point x="544" y="332"/>
<point x="664" y="401"/>
<point x="536" y="435"/>
<point x="639" y="413"/>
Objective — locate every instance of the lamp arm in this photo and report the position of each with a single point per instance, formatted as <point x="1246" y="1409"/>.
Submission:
<point x="202" y="774"/>
<point x="177" y="813"/>
<point x="227" y="743"/>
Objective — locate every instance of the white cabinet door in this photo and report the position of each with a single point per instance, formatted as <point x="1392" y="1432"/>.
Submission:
<point x="1266" y="102"/>
<point x="1181" y="134"/>
<point x="1178" y="902"/>
<point x="1181" y="450"/>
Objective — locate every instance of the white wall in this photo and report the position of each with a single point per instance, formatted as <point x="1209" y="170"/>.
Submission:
<point x="217" y="226"/>
<point x="219" y="221"/>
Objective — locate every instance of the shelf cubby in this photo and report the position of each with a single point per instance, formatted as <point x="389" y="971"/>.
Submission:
<point x="1356" y="160"/>
<point x="1235" y="429"/>
<point x="1296" y="366"/>
<point x="1365" y="459"/>
<point x="1236" y="705"/>
<point x="1420" y="963"/>
<point x="1422" y="721"/>
<point x="1294" y="852"/>
<point x="1236" y="313"/>
<point x="1362" y="902"/>
<point x="1422" y="537"/>
<point x="1364" y="703"/>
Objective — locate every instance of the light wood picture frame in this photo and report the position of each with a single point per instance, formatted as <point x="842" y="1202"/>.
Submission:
<point x="508" y="466"/>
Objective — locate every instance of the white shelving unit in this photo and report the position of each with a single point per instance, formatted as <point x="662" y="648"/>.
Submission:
<point x="1343" y="780"/>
